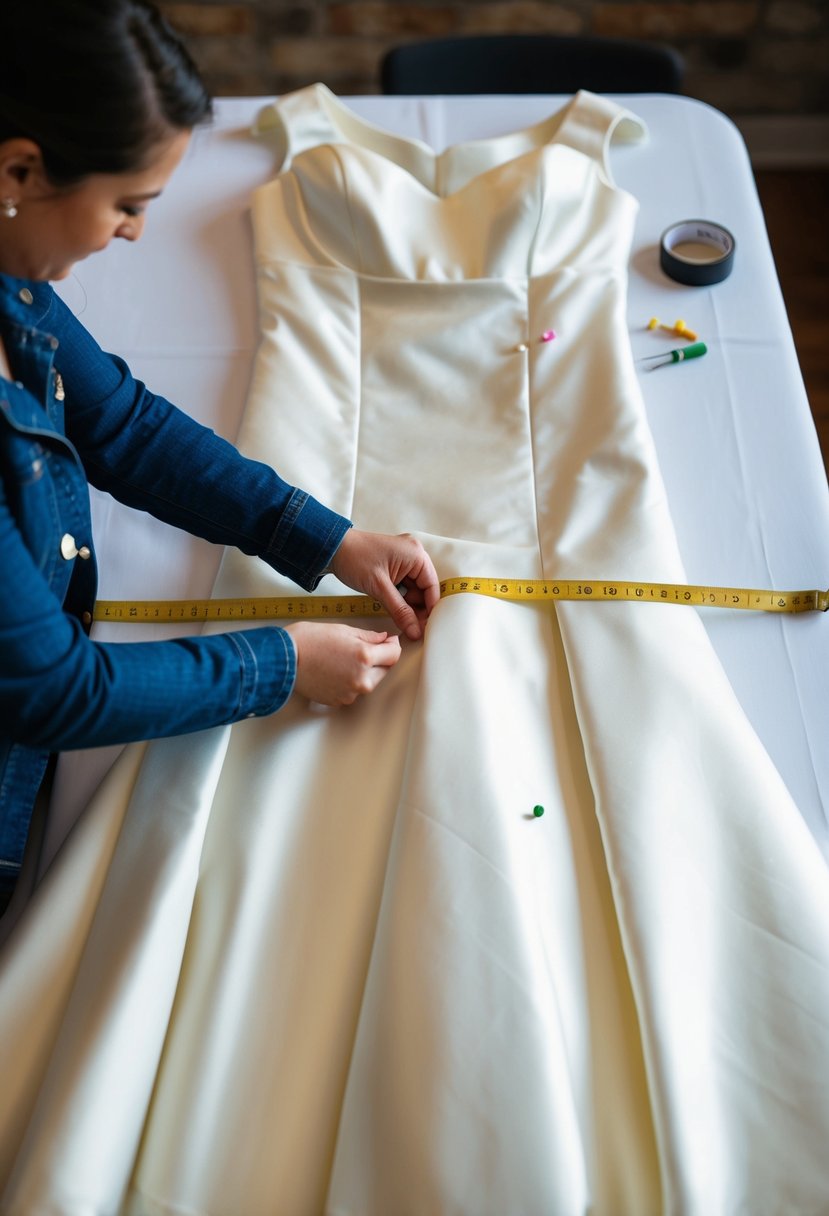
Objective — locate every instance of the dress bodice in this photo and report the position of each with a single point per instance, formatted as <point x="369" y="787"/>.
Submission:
<point x="352" y="196"/>
<point x="398" y="285"/>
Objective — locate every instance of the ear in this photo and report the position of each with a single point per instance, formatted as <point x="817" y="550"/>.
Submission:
<point x="21" y="168"/>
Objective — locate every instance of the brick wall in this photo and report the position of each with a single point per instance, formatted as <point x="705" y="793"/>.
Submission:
<point x="746" y="57"/>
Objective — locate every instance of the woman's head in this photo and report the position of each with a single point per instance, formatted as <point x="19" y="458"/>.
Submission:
<point x="96" y="84"/>
<point x="97" y="101"/>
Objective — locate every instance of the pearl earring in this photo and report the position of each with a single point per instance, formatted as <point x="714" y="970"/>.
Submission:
<point x="8" y="208"/>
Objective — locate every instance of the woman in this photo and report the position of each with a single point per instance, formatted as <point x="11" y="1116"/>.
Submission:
<point x="86" y="142"/>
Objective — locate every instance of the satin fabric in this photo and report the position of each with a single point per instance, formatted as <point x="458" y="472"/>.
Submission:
<point x="331" y="962"/>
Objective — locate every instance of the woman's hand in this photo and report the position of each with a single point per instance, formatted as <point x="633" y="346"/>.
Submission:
<point x="377" y="564"/>
<point x="336" y="664"/>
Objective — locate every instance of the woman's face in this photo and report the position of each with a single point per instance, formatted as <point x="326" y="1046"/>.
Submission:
<point x="53" y="229"/>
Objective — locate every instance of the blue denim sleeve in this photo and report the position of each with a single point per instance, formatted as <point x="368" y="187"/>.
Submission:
<point x="144" y="451"/>
<point x="60" y="690"/>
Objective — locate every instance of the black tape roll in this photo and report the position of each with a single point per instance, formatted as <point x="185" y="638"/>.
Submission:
<point x="684" y="249"/>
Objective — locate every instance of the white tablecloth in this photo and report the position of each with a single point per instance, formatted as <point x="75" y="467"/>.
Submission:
<point x="734" y="431"/>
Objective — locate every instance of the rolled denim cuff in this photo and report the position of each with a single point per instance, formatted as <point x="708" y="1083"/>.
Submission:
<point x="267" y="659"/>
<point x="306" y="540"/>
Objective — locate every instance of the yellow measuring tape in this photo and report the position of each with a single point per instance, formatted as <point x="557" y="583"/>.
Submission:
<point x="339" y="607"/>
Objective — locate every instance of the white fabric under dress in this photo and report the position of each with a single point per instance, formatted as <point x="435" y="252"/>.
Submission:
<point x="330" y="962"/>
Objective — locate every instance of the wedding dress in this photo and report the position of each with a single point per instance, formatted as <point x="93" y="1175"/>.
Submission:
<point x="332" y="962"/>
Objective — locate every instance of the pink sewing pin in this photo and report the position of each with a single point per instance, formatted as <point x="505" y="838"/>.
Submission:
<point x="548" y="335"/>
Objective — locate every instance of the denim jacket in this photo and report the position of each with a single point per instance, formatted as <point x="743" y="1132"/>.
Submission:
<point x="74" y="415"/>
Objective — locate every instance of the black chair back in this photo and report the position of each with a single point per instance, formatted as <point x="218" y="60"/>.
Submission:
<point x="531" y="63"/>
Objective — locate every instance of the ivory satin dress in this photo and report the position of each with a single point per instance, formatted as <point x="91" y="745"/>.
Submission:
<point x="330" y="962"/>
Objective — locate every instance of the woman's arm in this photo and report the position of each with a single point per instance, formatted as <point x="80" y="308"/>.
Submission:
<point x="60" y="690"/>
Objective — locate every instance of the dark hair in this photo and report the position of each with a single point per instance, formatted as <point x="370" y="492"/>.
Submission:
<point x="97" y="84"/>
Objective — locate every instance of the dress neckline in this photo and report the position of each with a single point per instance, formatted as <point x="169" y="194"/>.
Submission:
<point x="315" y="115"/>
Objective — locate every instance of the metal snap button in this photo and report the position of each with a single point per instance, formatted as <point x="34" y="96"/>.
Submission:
<point x="68" y="548"/>
<point x="84" y="553"/>
<point x="25" y="295"/>
<point x="86" y="617"/>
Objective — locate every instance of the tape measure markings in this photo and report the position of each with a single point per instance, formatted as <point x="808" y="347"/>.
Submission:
<point x="690" y="595"/>
<point x="251" y="608"/>
<point x="337" y="607"/>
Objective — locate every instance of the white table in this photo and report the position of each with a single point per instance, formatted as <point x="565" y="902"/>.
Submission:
<point x="734" y="432"/>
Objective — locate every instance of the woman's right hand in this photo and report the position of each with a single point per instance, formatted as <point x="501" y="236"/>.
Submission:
<point x="336" y="664"/>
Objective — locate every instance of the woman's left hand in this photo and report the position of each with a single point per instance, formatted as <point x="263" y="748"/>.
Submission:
<point x="377" y="565"/>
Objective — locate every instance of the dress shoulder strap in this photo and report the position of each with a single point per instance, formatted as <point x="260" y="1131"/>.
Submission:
<point x="592" y="123"/>
<point x="293" y="123"/>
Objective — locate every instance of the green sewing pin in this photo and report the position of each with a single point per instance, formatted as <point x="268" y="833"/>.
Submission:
<point x="694" y="351"/>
